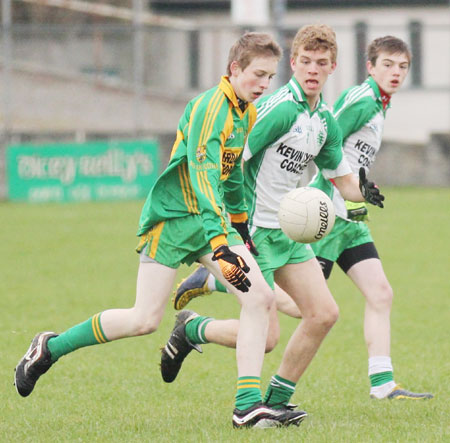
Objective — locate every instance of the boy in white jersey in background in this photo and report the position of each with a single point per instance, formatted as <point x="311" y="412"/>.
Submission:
<point x="360" y="112"/>
<point x="293" y="127"/>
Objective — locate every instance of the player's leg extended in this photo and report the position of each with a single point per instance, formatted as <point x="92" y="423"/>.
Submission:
<point x="258" y="311"/>
<point x="153" y="290"/>
<point x="225" y="332"/>
<point x="154" y="284"/>
<point x="201" y="282"/>
<point x="307" y="286"/>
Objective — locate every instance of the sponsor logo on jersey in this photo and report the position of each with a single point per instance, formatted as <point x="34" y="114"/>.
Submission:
<point x="364" y="147"/>
<point x="203" y="166"/>
<point x="295" y="161"/>
<point x="229" y="158"/>
<point x="231" y="136"/>
<point x="367" y="153"/>
<point x="297" y="129"/>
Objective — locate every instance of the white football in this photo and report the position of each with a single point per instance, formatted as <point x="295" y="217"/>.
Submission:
<point x="306" y="215"/>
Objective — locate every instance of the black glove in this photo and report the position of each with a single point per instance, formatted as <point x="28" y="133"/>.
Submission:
<point x="370" y="190"/>
<point x="242" y="228"/>
<point x="233" y="267"/>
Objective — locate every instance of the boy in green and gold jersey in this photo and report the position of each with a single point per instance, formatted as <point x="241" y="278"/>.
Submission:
<point x="184" y="220"/>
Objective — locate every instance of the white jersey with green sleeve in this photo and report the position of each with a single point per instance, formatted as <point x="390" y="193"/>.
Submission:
<point x="360" y="114"/>
<point x="286" y="136"/>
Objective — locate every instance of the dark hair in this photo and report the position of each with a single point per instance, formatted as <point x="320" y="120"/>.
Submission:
<point x="389" y="44"/>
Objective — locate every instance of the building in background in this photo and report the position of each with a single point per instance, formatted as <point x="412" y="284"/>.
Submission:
<point x="85" y="70"/>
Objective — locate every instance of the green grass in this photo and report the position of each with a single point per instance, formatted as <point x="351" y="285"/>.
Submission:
<point x="60" y="264"/>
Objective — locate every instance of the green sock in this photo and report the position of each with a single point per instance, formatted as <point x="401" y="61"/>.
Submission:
<point x="381" y="378"/>
<point x="279" y="392"/>
<point x="248" y="392"/>
<point x="87" y="333"/>
<point x="220" y="287"/>
<point x="195" y="329"/>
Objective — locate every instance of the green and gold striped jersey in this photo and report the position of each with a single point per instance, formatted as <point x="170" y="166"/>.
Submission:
<point x="204" y="174"/>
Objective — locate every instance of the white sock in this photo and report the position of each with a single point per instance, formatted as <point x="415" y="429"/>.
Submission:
<point x="382" y="391"/>
<point x="380" y="364"/>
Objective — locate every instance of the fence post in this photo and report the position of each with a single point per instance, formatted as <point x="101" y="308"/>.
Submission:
<point x="194" y="51"/>
<point x="415" y="37"/>
<point x="6" y="92"/>
<point x="361" y="48"/>
<point x="138" y="65"/>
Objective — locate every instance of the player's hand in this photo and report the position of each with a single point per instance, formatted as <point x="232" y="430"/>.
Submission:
<point x="370" y="190"/>
<point x="242" y="228"/>
<point x="233" y="267"/>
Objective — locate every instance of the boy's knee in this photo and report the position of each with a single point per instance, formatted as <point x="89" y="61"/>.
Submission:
<point x="145" y="325"/>
<point x="146" y="328"/>
<point x="381" y="296"/>
<point x="332" y="317"/>
<point x="326" y="318"/>
<point x="259" y="299"/>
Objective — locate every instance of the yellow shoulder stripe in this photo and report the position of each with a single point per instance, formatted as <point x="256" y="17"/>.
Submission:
<point x="211" y="114"/>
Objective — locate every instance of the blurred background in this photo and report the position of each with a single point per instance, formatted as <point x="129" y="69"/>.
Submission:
<point x="91" y="92"/>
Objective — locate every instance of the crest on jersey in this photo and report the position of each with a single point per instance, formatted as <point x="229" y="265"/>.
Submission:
<point x="201" y="153"/>
<point x="320" y="138"/>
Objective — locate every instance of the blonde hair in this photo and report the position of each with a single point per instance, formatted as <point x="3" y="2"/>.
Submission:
<point x="389" y="44"/>
<point x="314" y="37"/>
<point x="252" y="45"/>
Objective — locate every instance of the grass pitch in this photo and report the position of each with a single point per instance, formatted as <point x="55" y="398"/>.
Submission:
<point x="60" y="264"/>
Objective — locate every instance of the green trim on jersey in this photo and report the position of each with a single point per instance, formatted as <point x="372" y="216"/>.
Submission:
<point x="360" y="115"/>
<point x="286" y="137"/>
<point x="357" y="105"/>
<point x="207" y="152"/>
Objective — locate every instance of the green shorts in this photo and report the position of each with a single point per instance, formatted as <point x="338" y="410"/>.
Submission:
<point x="344" y="235"/>
<point x="179" y="240"/>
<point x="276" y="250"/>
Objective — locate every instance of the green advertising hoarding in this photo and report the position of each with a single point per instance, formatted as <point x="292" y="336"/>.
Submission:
<point x="82" y="171"/>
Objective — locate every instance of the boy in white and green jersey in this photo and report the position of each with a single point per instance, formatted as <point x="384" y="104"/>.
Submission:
<point x="293" y="128"/>
<point x="183" y="220"/>
<point x="361" y="111"/>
